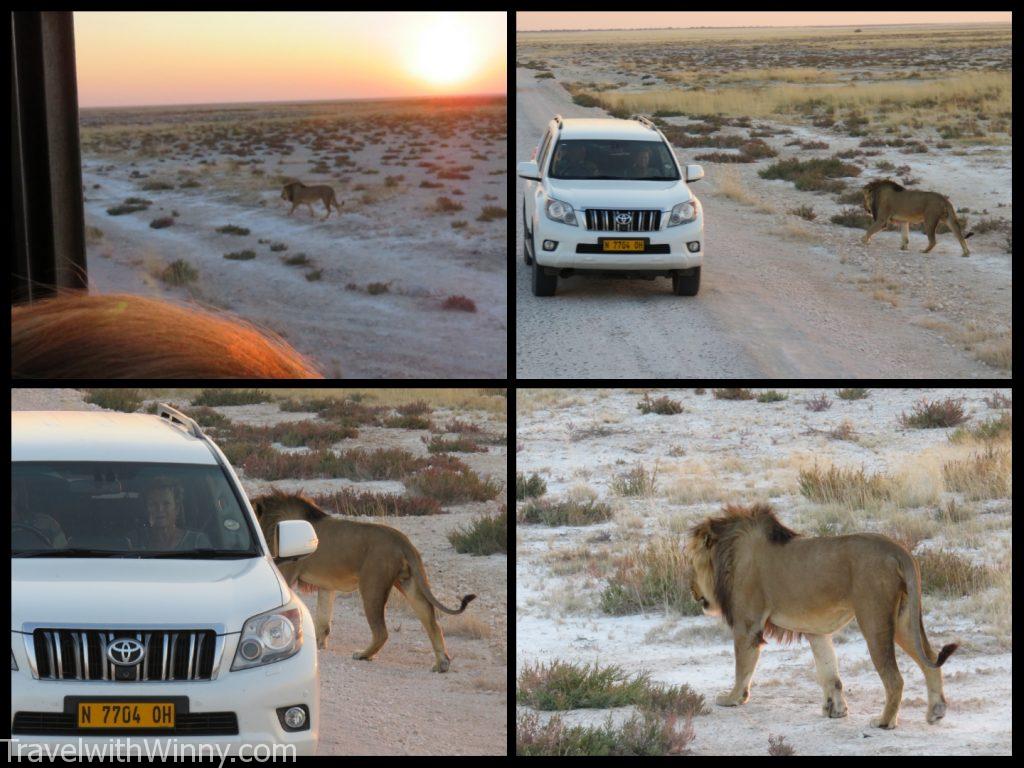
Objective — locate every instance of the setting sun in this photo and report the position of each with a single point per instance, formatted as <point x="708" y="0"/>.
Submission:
<point x="447" y="52"/>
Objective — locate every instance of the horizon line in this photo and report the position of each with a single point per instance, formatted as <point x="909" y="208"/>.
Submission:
<point x="503" y="95"/>
<point x="779" y="26"/>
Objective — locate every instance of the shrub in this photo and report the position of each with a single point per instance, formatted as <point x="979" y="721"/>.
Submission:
<point x="120" y="210"/>
<point x="447" y="205"/>
<point x="998" y="428"/>
<point x="179" y="272"/>
<point x="245" y="255"/>
<point x="852" y="393"/>
<point x="155" y="186"/>
<point x="771" y="396"/>
<point x="277" y="247"/>
<point x="492" y="212"/>
<point x="161" y="223"/>
<point x="804" y="212"/>
<point x="951" y="574"/>
<point x="486" y="535"/>
<point x="454" y="445"/>
<point x="651" y="576"/>
<point x="635" y="482"/>
<point x="529" y="487"/>
<point x="854" y="218"/>
<point x="984" y="475"/>
<point x="853" y="488"/>
<point x="408" y="422"/>
<point x="819" y="403"/>
<point x="298" y="260"/>
<point x="127" y="400"/>
<point x="231" y="229"/>
<point x="569" y="512"/>
<point x="453" y="486"/>
<point x="732" y="394"/>
<point x="360" y="504"/>
<point x="662" y="405"/>
<point x="211" y="397"/>
<point x="998" y="400"/>
<point x="645" y="734"/>
<point x="934" y="414"/>
<point x="314" y="275"/>
<point x="459" y="303"/>
<point x="377" y="288"/>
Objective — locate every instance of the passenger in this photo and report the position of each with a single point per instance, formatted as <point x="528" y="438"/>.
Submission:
<point x="572" y="161"/>
<point x="164" y="509"/>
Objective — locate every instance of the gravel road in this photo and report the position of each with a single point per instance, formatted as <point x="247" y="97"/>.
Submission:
<point x="768" y="307"/>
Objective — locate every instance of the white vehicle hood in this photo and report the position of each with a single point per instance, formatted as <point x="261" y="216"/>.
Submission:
<point x="603" y="193"/>
<point x="63" y="592"/>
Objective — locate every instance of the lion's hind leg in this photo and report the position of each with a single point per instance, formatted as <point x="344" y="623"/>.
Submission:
<point x="747" y="646"/>
<point x="428" y="617"/>
<point x="827" y="670"/>
<point x="932" y="676"/>
<point x="878" y="631"/>
<point x="905" y="241"/>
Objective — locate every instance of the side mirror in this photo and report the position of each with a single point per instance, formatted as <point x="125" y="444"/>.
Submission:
<point x="528" y="170"/>
<point x="694" y="173"/>
<point x="295" y="538"/>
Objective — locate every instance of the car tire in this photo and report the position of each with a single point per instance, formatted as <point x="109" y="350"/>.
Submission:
<point x="543" y="284"/>
<point x="686" y="285"/>
<point x="527" y="239"/>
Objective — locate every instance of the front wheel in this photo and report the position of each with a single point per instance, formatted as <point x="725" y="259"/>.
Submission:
<point x="688" y="284"/>
<point x="543" y="284"/>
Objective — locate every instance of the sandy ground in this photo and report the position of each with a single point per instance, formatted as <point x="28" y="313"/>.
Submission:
<point x="400" y="241"/>
<point x="751" y="449"/>
<point x="768" y="305"/>
<point x="394" y="704"/>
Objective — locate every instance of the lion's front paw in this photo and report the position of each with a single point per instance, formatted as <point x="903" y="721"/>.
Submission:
<point x="936" y="712"/>
<point x="730" y="699"/>
<point x="877" y="722"/>
<point x="834" y="708"/>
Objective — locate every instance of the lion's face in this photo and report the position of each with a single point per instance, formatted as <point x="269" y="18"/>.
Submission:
<point x="286" y="193"/>
<point x="867" y="199"/>
<point x="699" y="550"/>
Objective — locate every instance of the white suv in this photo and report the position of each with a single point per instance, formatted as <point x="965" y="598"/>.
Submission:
<point x="145" y="607"/>
<point x="608" y="196"/>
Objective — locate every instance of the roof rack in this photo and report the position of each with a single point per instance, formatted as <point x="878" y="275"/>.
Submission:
<point x="558" y="119"/>
<point x="645" y="121"/>
<point x="164" y="411"/>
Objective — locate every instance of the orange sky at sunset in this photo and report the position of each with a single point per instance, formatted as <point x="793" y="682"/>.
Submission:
<point x="194" y="58"/>
<point x="534" y="20"/>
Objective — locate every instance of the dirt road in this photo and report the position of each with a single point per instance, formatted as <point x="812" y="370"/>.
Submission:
<point x="768" y="307"/>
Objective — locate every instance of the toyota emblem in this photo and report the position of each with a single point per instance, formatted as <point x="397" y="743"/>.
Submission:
<point x="623" y="218"/>
<point x="125" y="652"/>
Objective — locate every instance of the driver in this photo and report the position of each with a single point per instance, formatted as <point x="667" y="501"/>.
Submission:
<point x="642" y="164"/>
<point x="573" y="160"/>
<point x="37" y="521"/>
<point x="165" y="529"/>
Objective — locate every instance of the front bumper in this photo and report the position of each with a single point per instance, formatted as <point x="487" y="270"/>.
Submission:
<point x="254" y="695"/>
<point x="565" y="256"/>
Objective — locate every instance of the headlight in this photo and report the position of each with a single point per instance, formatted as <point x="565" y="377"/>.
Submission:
<point x="272" y="636"/>
<point x="14" y="664"/>
<point x="561" y="212"/>
<point x="683" y="213"/>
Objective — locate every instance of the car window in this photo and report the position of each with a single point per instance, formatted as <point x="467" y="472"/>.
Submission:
<point x="613" y="159"/>
<point x="128" y="509"/>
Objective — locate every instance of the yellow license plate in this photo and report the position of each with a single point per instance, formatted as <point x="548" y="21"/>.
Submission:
<point x="623" y="245"/>
<point x="135" y="714"/>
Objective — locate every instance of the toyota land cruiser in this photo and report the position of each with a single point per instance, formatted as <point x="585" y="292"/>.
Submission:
<point x="608" y="196"/>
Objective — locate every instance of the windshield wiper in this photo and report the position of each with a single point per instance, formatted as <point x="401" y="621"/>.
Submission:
<point x="80" y="552"/>
<point x="205" y="553"/>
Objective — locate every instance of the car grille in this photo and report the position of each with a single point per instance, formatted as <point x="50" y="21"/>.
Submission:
<point x="622" y="220"/>
<point x="186" y="724"/>
<point x="71" y="654"/>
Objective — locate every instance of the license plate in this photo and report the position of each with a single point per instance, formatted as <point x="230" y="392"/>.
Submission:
<point x="622" y="245"/>
<point x="135" y="714"/>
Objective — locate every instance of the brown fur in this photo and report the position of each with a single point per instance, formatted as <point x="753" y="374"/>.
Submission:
<point x="119" y="336"/>
<point x="297" y="193"/>
<point x="889" y="203"/>
<point x="767" y="580"/>
<point x="353" y="555"/>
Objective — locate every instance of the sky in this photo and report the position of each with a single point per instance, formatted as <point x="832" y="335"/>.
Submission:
<point x="138" y="58"/>
<point x="533" y="20"/>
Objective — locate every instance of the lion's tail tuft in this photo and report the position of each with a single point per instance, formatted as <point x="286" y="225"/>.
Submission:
<point x="945" y="653"/>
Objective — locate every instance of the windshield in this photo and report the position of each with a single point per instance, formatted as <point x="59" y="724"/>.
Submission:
<point x="608" y="159"/>
<point x="126" y="509"/>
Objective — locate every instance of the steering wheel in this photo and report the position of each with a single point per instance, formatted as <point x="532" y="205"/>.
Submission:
<point x="34" y="531"/>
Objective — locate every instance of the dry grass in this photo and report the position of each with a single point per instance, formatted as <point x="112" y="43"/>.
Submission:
<point x="984" y="475"/>
<point x="652" y="576"/>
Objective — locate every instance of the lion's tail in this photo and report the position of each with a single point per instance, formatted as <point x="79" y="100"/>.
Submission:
<point x="912" y="579"/>
<point x="419" y="575"/>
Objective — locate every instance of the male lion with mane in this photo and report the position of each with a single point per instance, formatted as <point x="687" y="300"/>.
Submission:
<point x="765" y="579"/>
<point x="888" y="202"/>
<point x="365" y="556"/>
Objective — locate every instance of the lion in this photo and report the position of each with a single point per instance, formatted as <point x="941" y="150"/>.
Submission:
<point x="765" y="579"/>
<point x="297" y="193"/>
<point x="888" y="202"/>
<point x="351" y="555"/>
<point x="119" y="336"/>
